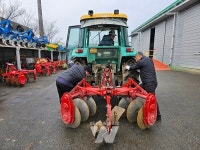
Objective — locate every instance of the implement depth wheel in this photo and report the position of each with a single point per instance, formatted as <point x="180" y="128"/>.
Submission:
<point x="13" y="81"/>
<point x="27" y="78"/>
<point x="140" y="122"/>
<point x="123" y="103"/>
<point x="20" y="80"/>
<point x="8" y="81"/>
<point x="19" y="84"/>
<point x="77" y="118"/>
<point x="133" y="109"/>
<point x="91" y="105"/>
<point x="83" y="108"/>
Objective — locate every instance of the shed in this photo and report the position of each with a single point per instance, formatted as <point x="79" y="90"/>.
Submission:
<point x="173" y="35"/>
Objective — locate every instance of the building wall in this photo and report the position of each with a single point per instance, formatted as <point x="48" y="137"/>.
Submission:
<point x="144" y="40"/>
<point x="135" y="40"/>
<point x="141" y="41"/>
<point x="186" y="47"/>
<point x="164" y="39"/>
<point x="160" y="31"/>
<point x="187" y="39"/>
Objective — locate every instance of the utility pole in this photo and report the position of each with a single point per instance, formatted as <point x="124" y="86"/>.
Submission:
<point x="41" y="28"/>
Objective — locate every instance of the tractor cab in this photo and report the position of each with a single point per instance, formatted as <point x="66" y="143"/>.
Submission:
<point x="100" y="40"/>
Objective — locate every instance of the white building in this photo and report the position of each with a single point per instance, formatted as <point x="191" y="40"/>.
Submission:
<point x="173" y="35"/>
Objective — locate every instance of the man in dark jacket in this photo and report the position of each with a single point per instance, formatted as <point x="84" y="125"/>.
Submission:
<point x="68" y="79"/>
<point x="108" y="40"/>
<point x="147" y="75"/>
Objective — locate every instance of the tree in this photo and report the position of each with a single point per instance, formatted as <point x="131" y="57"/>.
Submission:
<point x="28" y="20"/>
<point x="13" y="11"/>
<point x="51" y="30"/>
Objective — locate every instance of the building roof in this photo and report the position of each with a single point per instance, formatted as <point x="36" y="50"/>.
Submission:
<point x="177" y="6"/>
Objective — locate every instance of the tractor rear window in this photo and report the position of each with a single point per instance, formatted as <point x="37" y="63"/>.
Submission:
<point x="95" y="36"/>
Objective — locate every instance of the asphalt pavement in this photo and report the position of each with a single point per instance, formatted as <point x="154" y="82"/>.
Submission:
<point x="30" y="118"/>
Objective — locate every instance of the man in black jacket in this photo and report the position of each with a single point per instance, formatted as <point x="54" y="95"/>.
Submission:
<point x="108" y="40"/>
<point x="68" y="79"/>
<point x="147" y="75"/>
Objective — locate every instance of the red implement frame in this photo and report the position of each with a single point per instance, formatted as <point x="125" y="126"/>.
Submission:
<point x="42" y="66"/>
<point x="47" y="66"/>
<point x="107" y="90"/>
<point x="18" y="76"/>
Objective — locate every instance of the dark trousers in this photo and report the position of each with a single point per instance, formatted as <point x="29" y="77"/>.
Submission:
<point x="62" y="88"/>
<point x="150" y="88"/>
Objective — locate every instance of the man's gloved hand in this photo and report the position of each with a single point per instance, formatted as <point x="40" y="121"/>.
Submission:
<point x="127" y="67"/>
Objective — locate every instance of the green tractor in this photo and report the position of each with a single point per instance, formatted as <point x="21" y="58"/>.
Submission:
<point x="84" y="46"/>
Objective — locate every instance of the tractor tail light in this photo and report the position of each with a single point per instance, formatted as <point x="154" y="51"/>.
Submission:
<point x="129" y="49"/>
<point x="79" y="50"/>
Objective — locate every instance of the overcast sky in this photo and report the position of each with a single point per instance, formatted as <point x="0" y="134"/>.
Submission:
<point x="68" y="12"/>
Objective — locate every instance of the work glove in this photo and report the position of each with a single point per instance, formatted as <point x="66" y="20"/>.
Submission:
<point x="127" y="67"/>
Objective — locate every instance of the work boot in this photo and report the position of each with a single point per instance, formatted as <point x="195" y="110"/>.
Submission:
<point x="158" y="118"/>
<point x="158" y="114"/>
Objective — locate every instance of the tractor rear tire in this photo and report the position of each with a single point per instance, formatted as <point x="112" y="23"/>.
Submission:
<point x="134" y="74"/>
<point x="91" y="105"/>
<point x="80" y="61"/>
<point x="132" y="110"/>
<point x="77" y="118"/>
<point x="83" y="108"/>
<point x="140" y="122"/>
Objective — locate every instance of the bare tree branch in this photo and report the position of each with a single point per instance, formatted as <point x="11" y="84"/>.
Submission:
<point x="26" y="19"/>
<point x="2" y="8"/>
<point x="58" y="40"/>
<point x="13" y="11"/>
<point x="51" y="30"/>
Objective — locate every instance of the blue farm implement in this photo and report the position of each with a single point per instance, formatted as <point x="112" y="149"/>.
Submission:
<point x="19" y="37"/>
